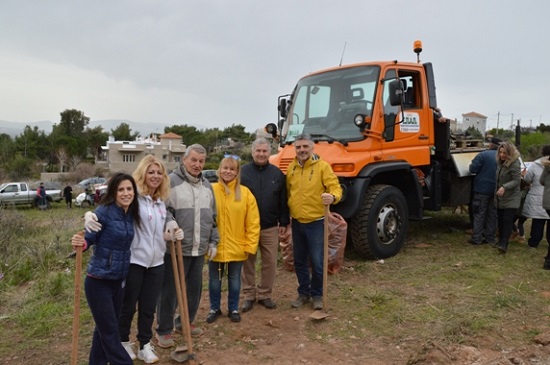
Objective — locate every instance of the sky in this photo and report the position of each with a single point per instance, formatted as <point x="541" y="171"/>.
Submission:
<point x="218" y="63"/>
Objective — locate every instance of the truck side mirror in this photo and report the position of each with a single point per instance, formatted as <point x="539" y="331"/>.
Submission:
<point x="396" y="92"/>
<point x="282" y="108"/>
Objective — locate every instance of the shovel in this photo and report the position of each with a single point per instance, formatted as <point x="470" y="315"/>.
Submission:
<point x="76" y="304"/>
<point x="322" y="314"/>
<point x="184" y="352"/>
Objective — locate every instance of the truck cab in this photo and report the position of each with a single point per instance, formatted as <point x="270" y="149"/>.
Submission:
<point x="374" y="123"/>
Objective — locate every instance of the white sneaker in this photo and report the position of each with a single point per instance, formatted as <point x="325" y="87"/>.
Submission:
<point x="147" y="354"/>
<point x="128" y="346"/>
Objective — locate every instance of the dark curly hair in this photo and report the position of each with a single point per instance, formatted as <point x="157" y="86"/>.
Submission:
<point x="545" y="150"/>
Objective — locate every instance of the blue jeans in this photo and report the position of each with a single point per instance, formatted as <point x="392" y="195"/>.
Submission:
<point x="216" y="270"/>
<point x="307" y="239"/>
<point x="105" y="301"/>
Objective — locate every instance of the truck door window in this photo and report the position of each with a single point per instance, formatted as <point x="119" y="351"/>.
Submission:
<point x="10" y="189"/>
<point x="390" y="111"/>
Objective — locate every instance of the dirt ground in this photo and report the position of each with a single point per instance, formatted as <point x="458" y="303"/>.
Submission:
<point x="287" y="336"/>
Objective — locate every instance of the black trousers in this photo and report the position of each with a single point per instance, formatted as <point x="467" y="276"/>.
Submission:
<point x="142" y="288"/>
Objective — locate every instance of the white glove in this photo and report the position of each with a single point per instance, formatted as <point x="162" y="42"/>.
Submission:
<point x="90" y="222"/>
<point x="170" y="230"/>
<point x="211" y="253"/>
<point x="178" y="235"/>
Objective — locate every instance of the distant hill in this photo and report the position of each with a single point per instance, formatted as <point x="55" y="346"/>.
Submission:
<point x="14" y="129"/>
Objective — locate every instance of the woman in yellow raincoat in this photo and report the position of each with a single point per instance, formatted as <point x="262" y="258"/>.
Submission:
<point x="239" y="229"/>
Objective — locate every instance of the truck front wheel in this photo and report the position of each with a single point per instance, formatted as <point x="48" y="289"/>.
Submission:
<point x="379" y="227"/>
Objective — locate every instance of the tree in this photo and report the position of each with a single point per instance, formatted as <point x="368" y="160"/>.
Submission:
<point x="190" y="135"/>
<point x="72" y="123"/>
<point x="124" y="133"/>
<point x="69" y="133"/>
<point x="21" y="167"/>
<point x="474" y="132"/>
<point x="543" y="128"/>
<point x="63" y="158"/>
<point x="237" y="133"/>
<point x="7" y="148"/>
<point x="97" y="138"/>
<point x="33" y="144"/>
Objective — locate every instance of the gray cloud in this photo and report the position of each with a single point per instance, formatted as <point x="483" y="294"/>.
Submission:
<point x="217" y="63"/>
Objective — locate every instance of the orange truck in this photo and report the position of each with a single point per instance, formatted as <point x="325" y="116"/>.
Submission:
<point x="375" y="123"/>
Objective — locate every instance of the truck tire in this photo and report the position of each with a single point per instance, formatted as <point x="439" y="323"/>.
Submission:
<point x="85" y="204"/>
<point x="379" y="227"/>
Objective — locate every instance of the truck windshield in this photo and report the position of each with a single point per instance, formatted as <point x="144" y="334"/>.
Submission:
<point x="325" y="105"/>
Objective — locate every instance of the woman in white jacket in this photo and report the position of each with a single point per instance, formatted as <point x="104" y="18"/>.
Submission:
<point x="532" y="207"/>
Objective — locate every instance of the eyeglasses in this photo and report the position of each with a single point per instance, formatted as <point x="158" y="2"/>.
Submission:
<point x="235" y="157"/>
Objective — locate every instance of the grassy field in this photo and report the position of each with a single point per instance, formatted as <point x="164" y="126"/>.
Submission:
<point x="439" y="291"/>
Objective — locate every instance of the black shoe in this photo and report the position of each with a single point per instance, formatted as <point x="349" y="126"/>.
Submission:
<point x="502" y="249"/>
<point x="474" y="243"/>
<point x="234" y="316"/>
<point x="213" y="315"/>
<point x="268" y="303"/>
<point x="247" y="305"/>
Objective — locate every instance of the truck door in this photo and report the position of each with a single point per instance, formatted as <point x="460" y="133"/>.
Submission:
<point x="407" y="132"/>
<point x="10" y="193"/>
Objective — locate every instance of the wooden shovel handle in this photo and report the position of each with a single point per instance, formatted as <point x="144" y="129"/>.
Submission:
<point x="76" y="303"/>
<point x="325" y="258"/>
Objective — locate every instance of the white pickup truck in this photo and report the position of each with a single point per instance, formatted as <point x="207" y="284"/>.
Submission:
<point x="20" y="193"/>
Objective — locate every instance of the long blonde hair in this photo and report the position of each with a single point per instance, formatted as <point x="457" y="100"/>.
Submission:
<point x="235" y="163"/>
<point x="509" y="148"/>
<point x="139" y="173"/>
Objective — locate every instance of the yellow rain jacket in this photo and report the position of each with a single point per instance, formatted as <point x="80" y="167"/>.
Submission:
<point x="305" y="186"/>
<point x="238" y="223"/>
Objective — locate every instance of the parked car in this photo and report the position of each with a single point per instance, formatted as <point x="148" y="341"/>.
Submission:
<point x="91" y="181"/>
<point x="210" y="175"/>
<point x="88" y="199"/>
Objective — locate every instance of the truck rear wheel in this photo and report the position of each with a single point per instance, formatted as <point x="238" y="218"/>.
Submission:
<point x="379" y="227"/>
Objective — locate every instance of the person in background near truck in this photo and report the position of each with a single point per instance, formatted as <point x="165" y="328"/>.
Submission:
<point x="532" y="208"/>
<point x="147" y="260"/>
<point x="68" y="194"/>
<point x="545" y="181"/>
<point x="118" y="214"/>
<point x="508" y="194"/>
<point x="191" y="203"/>
<point x="310" y="184"/>
<point x="438" y="116"/>
<point x="238" y="222"/>
<point x="41" y="196"/>
<point x="268" y="185"/>
<point x="484" y="166"/>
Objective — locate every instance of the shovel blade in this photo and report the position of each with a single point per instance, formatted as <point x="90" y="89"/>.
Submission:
<point x="180" y="354"/>
<point x="318" y="315"/>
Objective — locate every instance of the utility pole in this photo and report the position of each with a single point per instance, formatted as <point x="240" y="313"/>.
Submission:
<point x="498" y="119"/>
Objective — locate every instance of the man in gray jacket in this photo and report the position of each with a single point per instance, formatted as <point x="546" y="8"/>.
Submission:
<point x="193" y="207"/>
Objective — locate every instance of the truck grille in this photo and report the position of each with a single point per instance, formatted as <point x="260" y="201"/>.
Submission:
<point x="284" y="164"/>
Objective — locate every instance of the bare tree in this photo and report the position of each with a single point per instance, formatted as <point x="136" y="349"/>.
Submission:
<point x="63" y="158"/>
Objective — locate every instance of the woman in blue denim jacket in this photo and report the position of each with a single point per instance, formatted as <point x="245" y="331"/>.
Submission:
<point x="117" y="212"/>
